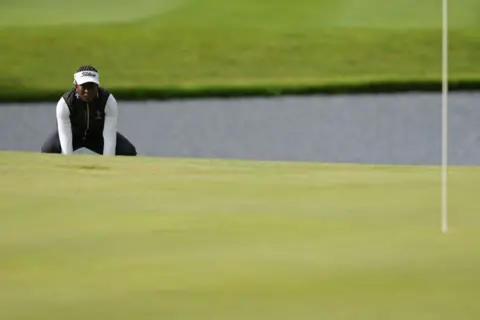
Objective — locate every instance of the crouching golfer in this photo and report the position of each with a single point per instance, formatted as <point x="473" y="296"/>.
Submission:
<point x="87" y="118"/>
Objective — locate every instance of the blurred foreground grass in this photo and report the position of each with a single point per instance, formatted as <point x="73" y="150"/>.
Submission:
<point x="113" y="238"/>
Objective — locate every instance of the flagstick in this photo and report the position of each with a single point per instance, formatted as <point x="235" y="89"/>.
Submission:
<point x="444" y="115"/>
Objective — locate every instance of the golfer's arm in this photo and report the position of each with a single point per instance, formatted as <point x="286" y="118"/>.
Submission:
<point x="110" y="128"/>
<point x="64" y="127"/>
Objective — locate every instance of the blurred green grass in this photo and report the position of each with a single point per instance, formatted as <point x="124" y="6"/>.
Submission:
<point x="212" y="42"/>
<point x="112" y="238"/>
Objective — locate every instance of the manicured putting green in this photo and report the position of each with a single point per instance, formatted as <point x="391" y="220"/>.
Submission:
<point x="89" y="237"/>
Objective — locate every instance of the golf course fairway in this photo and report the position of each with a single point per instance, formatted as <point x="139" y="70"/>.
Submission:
<point x="89" y="237"/>
<point x="176" y="47"/>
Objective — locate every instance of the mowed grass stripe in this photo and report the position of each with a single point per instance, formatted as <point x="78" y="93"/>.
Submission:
<point x="303" y="14"/>
<point x="311" y="15"/>
<point x="407" y="14"/>
<point x="31" y="13"/>
<point x="86" y="236"/>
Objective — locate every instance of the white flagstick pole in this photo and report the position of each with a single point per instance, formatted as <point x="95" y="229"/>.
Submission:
<point x="444" y="115"/>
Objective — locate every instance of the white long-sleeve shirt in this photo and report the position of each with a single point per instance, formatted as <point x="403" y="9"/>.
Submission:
<point x="109" y="132"/>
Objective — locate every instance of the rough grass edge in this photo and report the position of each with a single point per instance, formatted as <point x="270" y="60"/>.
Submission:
<point x="16" y="95"/>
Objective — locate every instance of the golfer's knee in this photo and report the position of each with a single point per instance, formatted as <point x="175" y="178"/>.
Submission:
<point x="49" y="148"/>
<point x="132" y="151"/>
<point x="127" y="150"/>
<point x="51" y="144"/>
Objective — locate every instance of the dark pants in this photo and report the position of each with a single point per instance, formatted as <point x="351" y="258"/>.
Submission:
<point x="94" y="144"/>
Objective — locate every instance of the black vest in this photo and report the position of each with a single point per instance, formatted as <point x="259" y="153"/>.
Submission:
<point x="87" y="119"/>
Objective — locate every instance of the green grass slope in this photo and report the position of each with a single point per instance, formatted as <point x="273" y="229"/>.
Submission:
<point x="111" y="238"/>
<point x="206" y="47"/>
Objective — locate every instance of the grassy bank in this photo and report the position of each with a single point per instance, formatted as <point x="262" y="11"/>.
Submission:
<point x="258" y="45"/>
<point x="89" y="237"/>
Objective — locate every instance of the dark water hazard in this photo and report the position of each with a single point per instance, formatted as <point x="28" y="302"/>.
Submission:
<point x="397" y="129"/>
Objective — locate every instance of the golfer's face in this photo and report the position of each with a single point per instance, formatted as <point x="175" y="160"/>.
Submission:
<point x="87" y="91"/>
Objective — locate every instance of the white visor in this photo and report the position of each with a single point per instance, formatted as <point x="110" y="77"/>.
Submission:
<point x="86" y="76"/>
